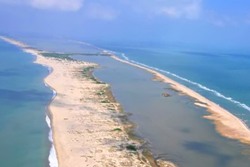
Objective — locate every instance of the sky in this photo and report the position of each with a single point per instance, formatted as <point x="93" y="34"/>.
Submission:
<point x="200" y="22"/>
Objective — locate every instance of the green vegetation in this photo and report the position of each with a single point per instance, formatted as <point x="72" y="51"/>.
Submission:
<point x="111" y="109"/>
<point x="117" y="129"/>
<point x="58" y="55"/>
<point x="105" y="101"/>
<point x="131" y="147"/>
<point x="67" y="55"/>
<point x="100" y="93"/>
<point x="96" y="80"/>
<point x="86" y="71"/>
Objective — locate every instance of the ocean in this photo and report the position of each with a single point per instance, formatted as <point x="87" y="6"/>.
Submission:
<point x="23" y="109"/>
<point x="174" y="128"/>
<point x="219" y="75"/>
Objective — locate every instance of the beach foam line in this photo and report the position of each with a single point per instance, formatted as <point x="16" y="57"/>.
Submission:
<point x="225" y="122"/>
<point x="53" y="161"/>
<point x="214" y="92"/>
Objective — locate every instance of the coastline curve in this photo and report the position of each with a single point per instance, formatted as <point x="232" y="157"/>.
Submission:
<point x="225" y="122"/>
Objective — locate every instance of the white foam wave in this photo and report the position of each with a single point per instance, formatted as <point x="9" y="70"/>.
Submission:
<point x="54" y="94"/>
<point x="125" y="57"/>
<point x="53" y="161"/>
<point x="110" y="52"/>
<point x="218" y="94"/>
<point x="52" y="155"/>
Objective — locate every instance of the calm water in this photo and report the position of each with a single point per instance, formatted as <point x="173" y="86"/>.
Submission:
<point x="173" y="126"/>
<point x="23" y="98"/>
<point x="221" y="76"/>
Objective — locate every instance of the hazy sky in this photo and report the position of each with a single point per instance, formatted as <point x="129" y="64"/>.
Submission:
<point x="206" y="22"/>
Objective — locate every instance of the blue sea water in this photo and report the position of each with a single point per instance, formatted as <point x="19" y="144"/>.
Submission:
<point x="172" y="126"/>
<point x="23" y="100"/>
<point x="221" y="76"/>
<point x="176" y="129"/>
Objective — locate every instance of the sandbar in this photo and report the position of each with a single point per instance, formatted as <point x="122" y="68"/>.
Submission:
<point x="87" y="130"/>
<point x="225" y="122"/>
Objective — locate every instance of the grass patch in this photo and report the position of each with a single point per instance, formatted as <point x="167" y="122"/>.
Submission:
<point x="100" y="93"/>
<point x="105" y="101"/>
<point x="117" y="129"/>
<point x="111" y="109"/>
<point x="67" y="55"/>
<point x="96" y="80"/>
<point x="131" y="147"/>
<point x="86" y="71"/>
<point x="58" y="55"/>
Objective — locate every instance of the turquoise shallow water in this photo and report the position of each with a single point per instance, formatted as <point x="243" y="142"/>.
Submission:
<point x="23" y="101"/>
<point x="174" y="127"/>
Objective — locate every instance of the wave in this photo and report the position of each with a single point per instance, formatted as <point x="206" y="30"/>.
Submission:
<point x="52" y="155"/>
<point x="53" y="161"/>
<point x="54" y="94"/>
<point x="216" y="93"/>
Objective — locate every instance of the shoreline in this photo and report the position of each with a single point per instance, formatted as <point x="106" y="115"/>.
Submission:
<point x="107" y="143"/>
<point x="52" y="158"/>
<point x="53" y="155"/>
<point x="225" y="122"/>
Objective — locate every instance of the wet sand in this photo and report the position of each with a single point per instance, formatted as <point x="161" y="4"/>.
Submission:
<point x="86" y="127"/>
<point x="226" y="123"/>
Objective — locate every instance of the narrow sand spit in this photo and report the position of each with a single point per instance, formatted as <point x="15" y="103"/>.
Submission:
<point x="226" y="123"/>
<point x="85" y="123"/>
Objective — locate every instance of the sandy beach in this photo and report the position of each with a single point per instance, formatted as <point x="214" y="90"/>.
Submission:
<point x="226" y="123"/>
<point x="87" y="130"/>
<point x="86" y="127"/>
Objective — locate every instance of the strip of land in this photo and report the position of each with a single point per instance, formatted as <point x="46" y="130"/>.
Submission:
<point x="86" y="121"/>
<point x="226" y="123"/>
